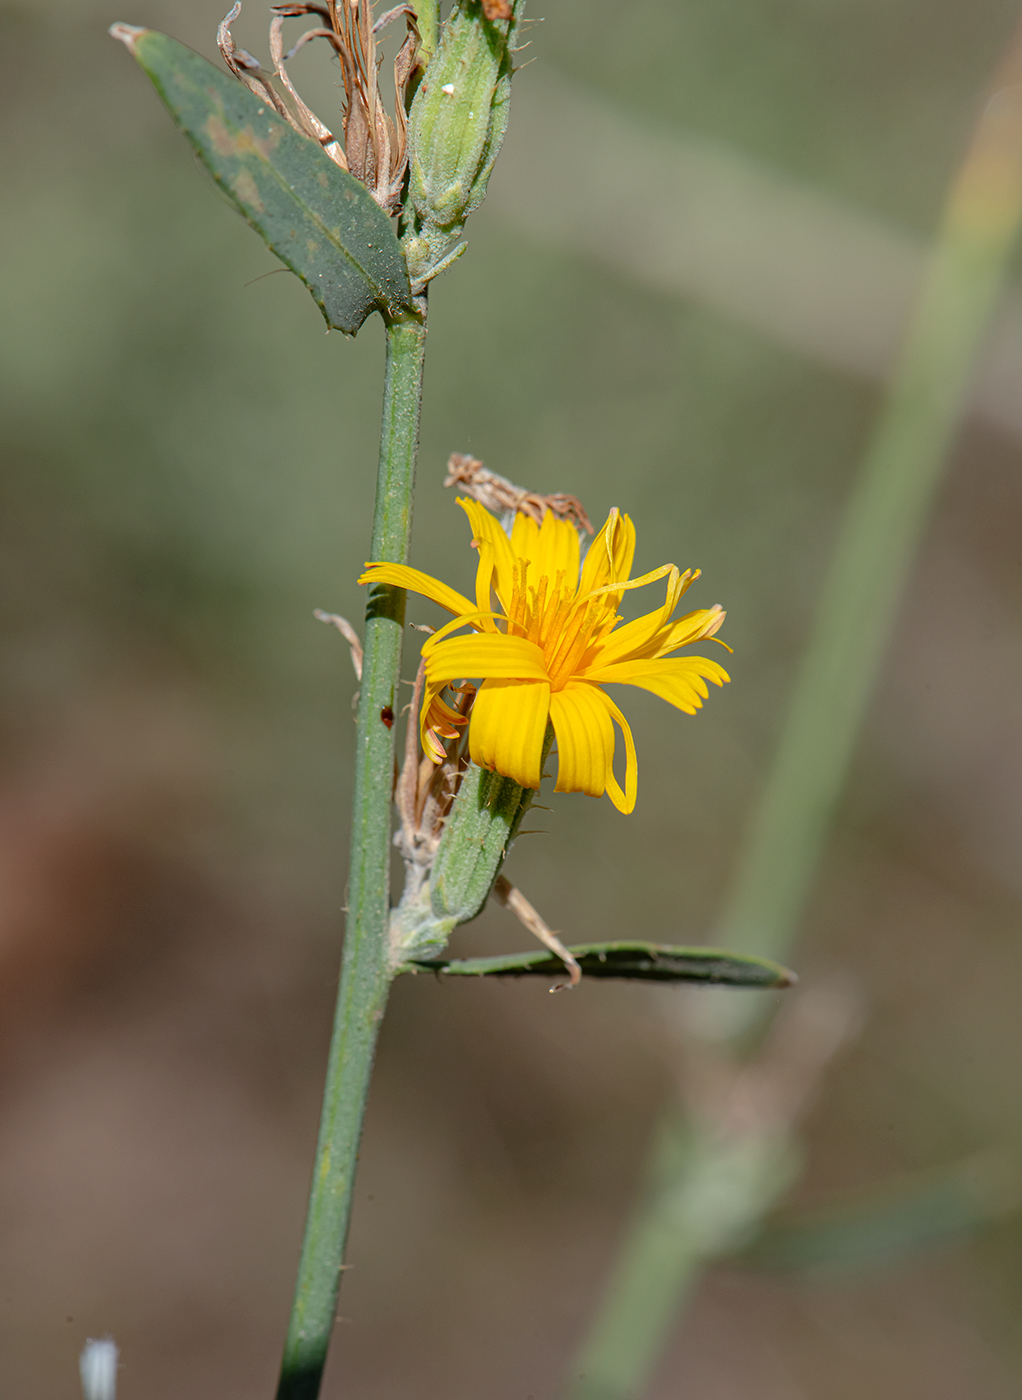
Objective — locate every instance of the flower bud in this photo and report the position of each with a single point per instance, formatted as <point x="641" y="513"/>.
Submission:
<point x="456" y="127"/>
<point x="456" y="873"/>
<point x="480" y="827"/>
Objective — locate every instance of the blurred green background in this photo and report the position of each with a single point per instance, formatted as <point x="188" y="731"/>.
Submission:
<point x="681" y="298"/>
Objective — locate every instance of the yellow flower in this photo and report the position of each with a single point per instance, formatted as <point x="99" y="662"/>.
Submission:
<point x="553" y="646"/>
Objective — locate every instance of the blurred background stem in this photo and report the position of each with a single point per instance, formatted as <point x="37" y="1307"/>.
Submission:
<point x="365" y="971"/>
<point x="882" y="524"/>
<point x="674" y="1229"/>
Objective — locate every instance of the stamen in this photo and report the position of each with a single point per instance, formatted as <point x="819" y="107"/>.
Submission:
<point x="557" y="611"/>
<point x="538" y="607"/>
<point x="519" y="606"/>
<point x="566" y="644"/>
<point x="583" y="641"/>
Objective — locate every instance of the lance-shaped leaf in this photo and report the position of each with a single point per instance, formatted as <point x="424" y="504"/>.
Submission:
<point x="896" y="1222"/>
<point x="317" y="218"/>
<point x="651" y="962"/>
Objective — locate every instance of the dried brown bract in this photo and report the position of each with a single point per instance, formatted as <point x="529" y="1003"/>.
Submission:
<point x="496" y="493"/>
<point x="497" y="9"/>
<point x="374" y="147"/>
<point x="425" y="791"/>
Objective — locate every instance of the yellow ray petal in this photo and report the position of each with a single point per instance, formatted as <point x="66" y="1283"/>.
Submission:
<point x="633" y="639"/>
<point x="524" y="537"/>
<point x="432" y="747"/>
<point x="643" y="636"/>
<point x="625" y="585"/>
<point x="484" y="580"/>
<point x="481" y="621"/>
<point x="508" y="727"/>
<point x="488" y="654"/>
<point x="598" y="565"/>
<point x="486" y="527"/>
<point x="623" y="801"/>
<point x="600" y="607"/>
<point x="624" y="548"/>
<point x="681" y="680"/>
<point x="441" y="716"/>
<point x="428" y="737"/>
<point x="693" y="627"/>
<point x="557" y="550"/>
<point x="585" y="739"/>
<point x="401" y="576"/>
<point x="437" y="721"/>
<point x="610" y="555"/>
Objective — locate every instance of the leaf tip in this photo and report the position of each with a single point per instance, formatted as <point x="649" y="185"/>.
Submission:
<point x="127" y="34"/>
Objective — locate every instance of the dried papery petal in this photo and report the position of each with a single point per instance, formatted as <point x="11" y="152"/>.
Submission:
<point x="405" y="65"/>
<point x="293" y="11"/>
<point x="245" y="67"/>
<point x="307" y="120"/>
<point x="374" y="146"/>
<point x="524" y="912"/>
<point x="498" y="494"/>
<point x="358" y="66"/>
<point x="391" y="15"/>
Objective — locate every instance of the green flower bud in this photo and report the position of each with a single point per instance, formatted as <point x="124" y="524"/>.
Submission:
<point x="480" y="827"/>
<point x="455" y="130"/>
<point x="450" y="883"/>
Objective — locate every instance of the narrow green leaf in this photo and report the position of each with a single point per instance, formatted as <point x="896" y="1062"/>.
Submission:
<point x="319" y="220"/>
<point x="651" y="962"/>
<point x="896" y="1222"/>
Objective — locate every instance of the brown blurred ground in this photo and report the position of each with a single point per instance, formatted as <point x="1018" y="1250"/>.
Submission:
<point x="188" y="466"/>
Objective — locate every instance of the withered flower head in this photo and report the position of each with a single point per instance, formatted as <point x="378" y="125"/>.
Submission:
<point x="374" y="148"/>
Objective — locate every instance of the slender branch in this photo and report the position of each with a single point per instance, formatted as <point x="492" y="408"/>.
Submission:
<point x="879" y="533"/>
<point x="663" y="1253"/>
<point x="365" y="973"/>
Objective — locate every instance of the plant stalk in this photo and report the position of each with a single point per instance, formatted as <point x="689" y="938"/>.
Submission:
<point x="366" y="972"/>
<point x="652" y="1279"/>
<point x="877" y="541"/>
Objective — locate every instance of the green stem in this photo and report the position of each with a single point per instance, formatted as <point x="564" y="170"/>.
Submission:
<point x="366" y="972"/>
<point x="875" y="549"/>
<point x="653" y="1273"/>
<point x="704" y="1190"/>
<point x="877" y="543"/>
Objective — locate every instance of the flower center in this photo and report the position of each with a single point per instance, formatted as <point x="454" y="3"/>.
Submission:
<point x="546" y="612"/>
